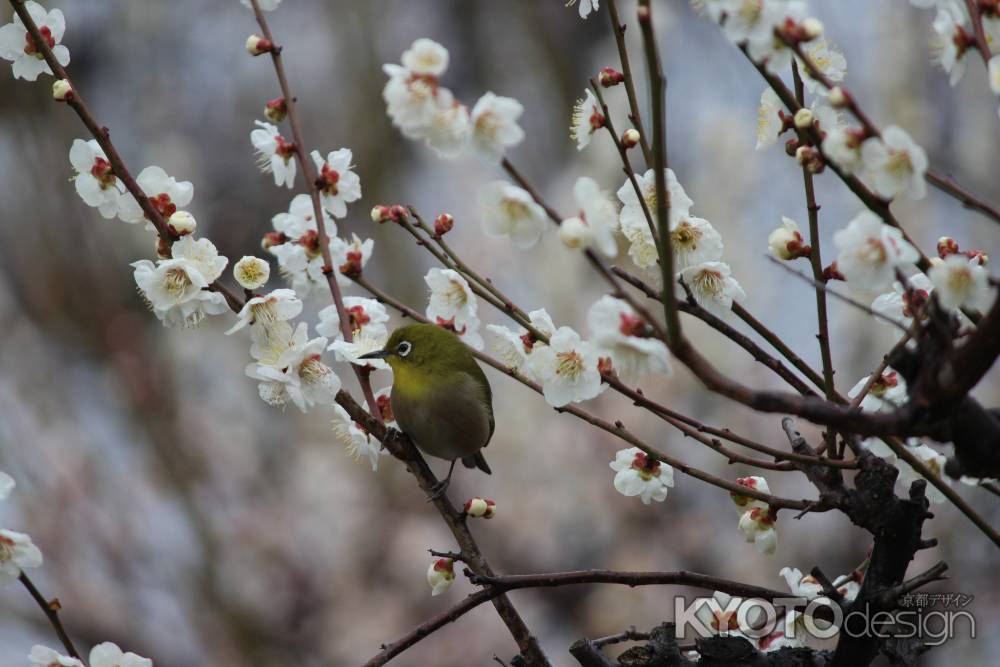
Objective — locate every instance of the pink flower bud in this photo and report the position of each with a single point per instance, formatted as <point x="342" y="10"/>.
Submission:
<point x="480" y="507"/>
<point x="397" y="213"/>
<point x="443" y="224"/>
<point x="381" y="214"/>
<point x="947" y="246"/>
<point x="610" y="77"/>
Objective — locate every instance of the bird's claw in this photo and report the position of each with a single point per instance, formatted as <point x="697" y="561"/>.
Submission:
<point x="438" y="490"/>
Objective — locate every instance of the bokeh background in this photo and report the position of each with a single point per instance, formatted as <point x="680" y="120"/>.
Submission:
<point x="189" y="522"/>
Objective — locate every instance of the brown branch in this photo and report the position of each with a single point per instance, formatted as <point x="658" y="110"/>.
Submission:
<point x="633" y="101"/>
<point x="51" y="610"/>
<point x="982" y="45"/>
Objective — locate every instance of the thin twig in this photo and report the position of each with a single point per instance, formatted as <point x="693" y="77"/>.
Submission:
<point x="633" y="100"/>
<point x="51" y="610"/>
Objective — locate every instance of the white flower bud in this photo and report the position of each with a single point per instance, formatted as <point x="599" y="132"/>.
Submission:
<point x="61" y="90"/>
<point x="785" y="242"/>
<point x="441" y="575"/>
<point x="251" y="272"/>
<point x="481" y="507"/>
<point x="804" y="118"/>
<point x="381" y="214"/>
<point x="257" y="45"/>
<point x="182" y="223"/>
<point x="812" y="27"/>
<point x="575" y="233"/>
<point x="838" y="97"/>
<point x="753" y="482"/>
<point x="630" y="137"/>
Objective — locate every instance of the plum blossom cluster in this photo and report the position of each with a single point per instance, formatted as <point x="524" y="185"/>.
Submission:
<point x="20" y="48"/>
<point x="758" y="520"/>
<point x="102" y="655"/>
<point x="17" y="551"/>
<point x="425" y="110"/>
<point x="176" y="289"/>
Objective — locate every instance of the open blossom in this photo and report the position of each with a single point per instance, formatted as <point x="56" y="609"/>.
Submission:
<point x="417" y="104"/>
<point x="494" y="126"/>
<point x="585" y="7"/>
<point x="95" y="182"/>
<point x="758" y="526"/>
<point x="566" y="368"/>
<point x="754" y="21"/>
<point x="363" y="315"/>
<point x="358" y="443"/>
<point x="301" y="219"/>
<point x="349" y="257"/>
<point x="165" y="193"/>
<point x="828" y="59"/>
<point x="280" y="305"/>
<point x="411" y="99"/>
<point x="745" y="503"/>
<point x="274" y="153"/>
<point x="425" y="56"/>
<point x="598" y="213"/>
<point x="961" y="283"/>
<point x="934" y="461"/>
<point x="42" y="656"/>
<point x="18" y="46"/>
<point x="807" y="586"/>
<point x="842" y="145"/>
<point x="903" y="303"/>
<point x="770" y="119"/>
<point x="110" y="655"/>
<point x="514" y="347"/>
<point x="17" y="552"/>
<point x="441" y="575"/>
<point x="370" y="339"/>
<point x="338" y="185"/>
<point x="449" y="128"/>
<point x="635" y="227"/>
<point x="719" y="614"/>
<point x="620" y="333"/>
<point x="694" y="242"/>
<point x="870" y="252"/>
<point x="586" y="120"/>
<point x="289" y="368"/>
<point x="203" y="254"/>
<point x="251" y="272"/>
<point x="896" y="162"/>
<point x="175" y="288"/>
<point x="638" y="474"/>
<point x="887" y="393"/>
<point x="508" y="210"/>
<point x="713" y="287"/>
<point x="951" y="39"/>
<point x="453" y="306"/>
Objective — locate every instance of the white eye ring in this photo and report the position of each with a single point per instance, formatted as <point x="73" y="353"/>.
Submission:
<point x="404" y="348"/>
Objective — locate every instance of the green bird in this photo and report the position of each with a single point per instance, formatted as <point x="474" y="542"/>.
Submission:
<point x="440" y="397"/>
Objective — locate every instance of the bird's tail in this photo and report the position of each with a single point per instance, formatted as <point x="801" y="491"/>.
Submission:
<point x="477" y="460"/>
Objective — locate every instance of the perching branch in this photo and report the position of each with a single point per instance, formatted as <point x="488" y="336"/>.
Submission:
<point x="51" y="610"/>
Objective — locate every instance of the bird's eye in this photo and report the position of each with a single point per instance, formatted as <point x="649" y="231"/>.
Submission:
<point x="404" y="348"/>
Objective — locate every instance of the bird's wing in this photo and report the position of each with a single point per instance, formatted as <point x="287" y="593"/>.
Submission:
<point x="480" y="377"/>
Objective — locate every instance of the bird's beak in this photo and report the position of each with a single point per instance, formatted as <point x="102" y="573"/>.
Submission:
<point x="378" y="354"/>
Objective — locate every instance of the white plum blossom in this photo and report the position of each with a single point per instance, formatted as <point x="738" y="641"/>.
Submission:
<point x="803" y="586"/>
<point x="586" y="120"/>
<point x="425" y="57"/>
<point x="951" y="39"/>
<point x="494" y="126"/>
<point x="19" y="47"/>
<point x="340" y="186"/>
<point x="639" y="474"/>
<point x="961" y="283"/>
<point x="369" y="339"/>
<point x="165" y="193"/>
<point x="453" y="306"/>
<point x="713" y="287"/>
<point x="567" y="368"/>
<point x="770" y="119"/>
<point x="871" y="251"/>
<point x="934" y="461"/>
<point x="110" y="655"/>
<point x="994" y="74"/>
<point x="828" y="59"/>
<point x="585" y="7"/>
<point x="348" y="257"/>
<point x="694" y="242"/>
<point x="508" y="210"/>
<point x="297" y="247"/>
<point x="842" y="145"/>
<point x="598" y="213"/>
<point x="441" y="575"/>
<point x="620" y="333"/>
<point x="896" y="162"/>
<point x="364" y="315"/>
<point x="887" y="393"/>
<point x="449" y="128"/>
<point x="358" y="443"/>
<point x="758" y="526"/>
<point x="175" y="288"/>
<point x="265" y="5"/>
<point x="901" y="304"/>
<point x="17" y="552"/>
<point x="301" y="219"/>
<point x="719" y="615"/>
<point x="754" y="21"/>
<point x="274" y="154"/>
<point x="575" y="234"/>
<point x="251" y="272"/>
<point x="280" y="305"/>
<point x="203" y="254"/>
<point x="289" y="368"/>
<point x="411" y="99"/>
<point x="7" y="485"/>
<point x="95" y="181"/>
<point x="514" y="347"/>
<point x="42" y="656"/>
<point x="744" y="503"/>
<point x="635" y="227"/>
<point x="786" y="242"/>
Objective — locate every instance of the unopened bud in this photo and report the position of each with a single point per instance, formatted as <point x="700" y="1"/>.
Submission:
<point x="610" y="77"/>
<point x="786" y="242"/>
<point x="276" y="110"/>
<point x="575" y="233"/>
<point x="251" y="272"/>
<point x="812" y="28"/>
<point x="481" y="507"/>
<point x="181" y="223"/>
<point x="381" y="214"/>
<point x="441" y="575"/>
<point x="977" y="257"/>
<point x="947" y="246"/>
<point x="272" y="239"/>
<point x="397" y="213"/>
<point x="838" y="97"/>
<point x="810" y="158"/>
<point x="791" y="146"/>
<point x="833" y="273"/>
<point x="642" y="14"/>
<point x="630" y="137"/>
<point x="443" y="224"/>
<point x="61" y="90"/>
<point x="256" y="45"/>
<point x="755" y="483"/>
<point x="804" y="118"/>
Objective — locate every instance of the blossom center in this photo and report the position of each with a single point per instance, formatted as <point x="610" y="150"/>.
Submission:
<point x="352" y="267"/>
<point x="312" y="370"/>
<point x="358" y="318"/>
<point x="285" y="149"/>
<point x="873" y="251"/>
<point x="487" y="125"/>
<point x="449" y="324"/>
<point x="330" y="178"/>
<point x="31" y="46"/>
<point x="455" y="294"/>
<point x="101" y="171"/>
<point x="569" y="364"/>
<point x="686" y="235"/>
<point x="514" y="208"/>
<point x="899" y="164"/>
<point x="646" y="466"/>
<point x="176" y="282"/>
<point x="6" y="549"/>
<point x="633" y="325"/>
<point x="960" y="280"/>
<point x="385" y="407"/>
<point x="310" y="241"/>
<point x="710" y="282"/>
<point x="163" y="204"/>
<point x="886" y="382"/>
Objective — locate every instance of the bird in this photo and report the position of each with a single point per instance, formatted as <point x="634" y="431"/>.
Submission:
<point x="440" y="396"/>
